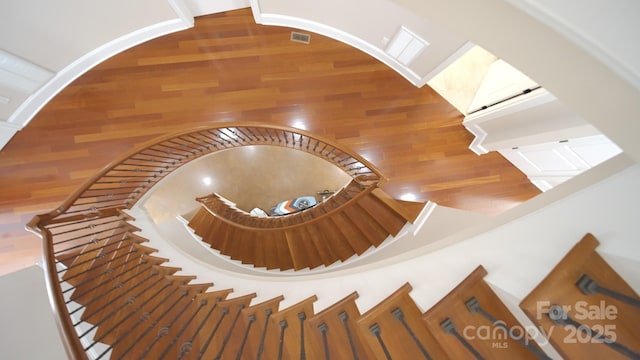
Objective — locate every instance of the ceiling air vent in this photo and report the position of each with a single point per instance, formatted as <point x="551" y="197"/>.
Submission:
<point x="300" y="37"/>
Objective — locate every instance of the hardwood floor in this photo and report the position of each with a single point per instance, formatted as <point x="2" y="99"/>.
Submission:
<point x="229" y="69"/>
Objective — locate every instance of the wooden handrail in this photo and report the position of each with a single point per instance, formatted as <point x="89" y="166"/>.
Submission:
<point x="285" y="226"/>
<point x="121" y="183"/>
<point x="186" y="146"/>
<point x="338" y="228"/>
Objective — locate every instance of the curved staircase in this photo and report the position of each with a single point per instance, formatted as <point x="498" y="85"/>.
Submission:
<point x="113" y="298"/>
<point x="348" y="223"/>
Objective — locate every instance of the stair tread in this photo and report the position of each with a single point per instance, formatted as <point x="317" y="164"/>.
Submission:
<point x="392" y="329"/>
<point x="367" y="225"/>
<point x="386" y="216"/>
<point x="352" y="234"/>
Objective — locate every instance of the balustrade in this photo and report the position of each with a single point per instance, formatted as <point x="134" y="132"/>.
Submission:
<point x="585" y="307"/>
<point x="395" y="329"/>
<point x="114" y="299"/>
<point x="471" y="320"/>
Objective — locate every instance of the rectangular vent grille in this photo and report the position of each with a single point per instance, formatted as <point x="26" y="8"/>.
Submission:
<point x="300" y="37"/>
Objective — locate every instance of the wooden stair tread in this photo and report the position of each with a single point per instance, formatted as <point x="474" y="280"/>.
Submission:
<point x="367" y="225"/>
<point x="559" y="287"/>
<point x="392" y="329"/>
<point x="336" y="319"/>
<point x="454" y="307"/>
<point x="384" y="215"/>
<point x="336" y="240"/>
<point x="291" y="315"/>
<point x="220" y="341"/>
<point x="254" y="319"/>
<point x="358" y="242"/>
<point x="352" y="221"/>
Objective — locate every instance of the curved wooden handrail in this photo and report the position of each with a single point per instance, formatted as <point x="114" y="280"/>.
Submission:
<point x="280" y="223"/>
<point x="163" y="155"/>
<point x="308" y="239"/>
<point x="121" y="183"/>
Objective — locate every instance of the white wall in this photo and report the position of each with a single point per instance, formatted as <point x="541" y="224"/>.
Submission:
<point x="533" y="118"/>
<point x="592" y="89"/>
<point x="460" y="81"/>
<point x="64" y="39"/>
<point x="608" y="30"/>
<point x="28" y="329"/>
<point x="53" y="34"/>
<point x="368" y="25"/>
<point x="204" y="7"/>
<point x="19" y="78"/>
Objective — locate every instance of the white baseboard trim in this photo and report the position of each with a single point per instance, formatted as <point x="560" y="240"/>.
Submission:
<point x="479" y="136"/>
<point x="34" y="103"/>
<point x="424" y="215"/>
<point x="7" y="130"/>
<point x="342" y="36"/>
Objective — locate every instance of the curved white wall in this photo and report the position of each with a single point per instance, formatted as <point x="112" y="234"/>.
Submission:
<point x="67" y="38"/>
<point x="608" y="30"/>
<point x="368" y="25"/>
<point x="54" y="34"/>
<point x="204" y="7"/>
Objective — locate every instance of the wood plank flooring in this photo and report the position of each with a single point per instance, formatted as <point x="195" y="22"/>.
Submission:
<point x="229" y="69"/>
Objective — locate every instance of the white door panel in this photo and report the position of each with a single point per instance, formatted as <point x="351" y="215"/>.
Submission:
<point x="549" y="164"/>
<point x="548" y="160"/>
